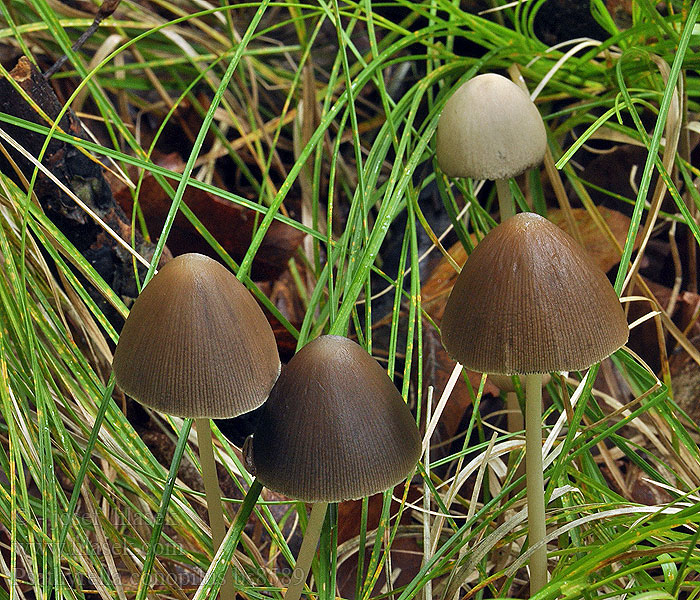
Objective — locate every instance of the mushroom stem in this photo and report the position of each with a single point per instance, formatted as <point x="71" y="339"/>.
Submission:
<point x="505" y="199"/>
<point x="212" y="492"/>
<point x="515" y="415"/>
<point x="307" y="550"/>
<point x="535" y="481"/>
<point x="515" y="422"/>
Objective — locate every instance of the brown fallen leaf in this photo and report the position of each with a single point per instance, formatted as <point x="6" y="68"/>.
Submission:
<point x="437" y="288"/>
<point x="230" y="224"/>
<point x="596" y="243"/>
<point x="406" y="554"/>
<point x="283" y="293"/>
<point x="685" y="375"/>
<point x="615" y="171"/>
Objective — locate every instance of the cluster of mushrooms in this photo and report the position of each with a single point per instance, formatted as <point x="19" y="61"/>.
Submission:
<point x="528" y="301"/>
<point x="333" y="427"/>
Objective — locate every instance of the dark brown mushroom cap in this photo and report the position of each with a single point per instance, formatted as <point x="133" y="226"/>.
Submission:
<point x="530" y="300"/>
<point x="334" y="427"/>
<point x="196" y="343"/>
<point x="489" y="129"/>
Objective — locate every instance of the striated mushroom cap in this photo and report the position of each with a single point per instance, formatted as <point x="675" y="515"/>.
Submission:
<point x="334" y="427"/>
<point x="196" y="343"/>
<point x="530" y="300"/>
<point x="489" y="129"/>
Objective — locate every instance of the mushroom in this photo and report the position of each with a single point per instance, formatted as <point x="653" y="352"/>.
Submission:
<point x="490" y="129"/>
<point x="334" y="428"/>
<point x="197" y="345"/>
<point x="529" y="300"/>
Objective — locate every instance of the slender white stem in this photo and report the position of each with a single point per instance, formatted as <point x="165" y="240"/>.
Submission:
<point x="516" y="422"/>
<point x="535" y="481"/>
<point x="505" y="199"/>
<point x="212" y="492"/>
<point x="307" y="551"/>
<point x="515" y="415"/>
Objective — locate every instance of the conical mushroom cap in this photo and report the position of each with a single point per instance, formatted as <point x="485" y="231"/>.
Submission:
<point x="196" y="344"/>
<point x="530" y="300"/>
<point x="489" y="129"/>
<point x="334" y="427"/>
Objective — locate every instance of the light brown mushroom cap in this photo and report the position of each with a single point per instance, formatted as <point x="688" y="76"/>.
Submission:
<point x="489" y="129"/>
<point x="196" y="343"/>
<point x="334" y="427"/>
<point x="530" y="300"/>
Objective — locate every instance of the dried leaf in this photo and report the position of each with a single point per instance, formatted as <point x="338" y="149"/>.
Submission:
<point x="596" y="243"/>
<point x="232" y="225"/>
<point x="406" y="554"/>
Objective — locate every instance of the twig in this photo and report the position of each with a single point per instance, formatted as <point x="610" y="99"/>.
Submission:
<point x="105" y="10"/>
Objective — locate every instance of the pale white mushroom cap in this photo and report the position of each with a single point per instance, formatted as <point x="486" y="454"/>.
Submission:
<point x="489" y="129"/>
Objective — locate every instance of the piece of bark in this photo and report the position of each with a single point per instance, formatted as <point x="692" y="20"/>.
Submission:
<point x="79" y="173"/>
